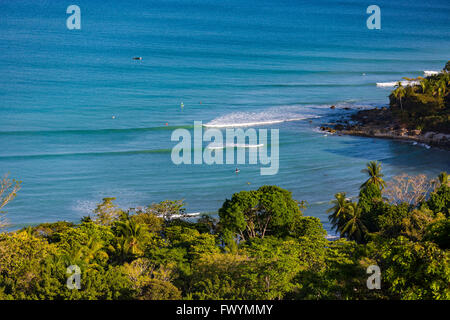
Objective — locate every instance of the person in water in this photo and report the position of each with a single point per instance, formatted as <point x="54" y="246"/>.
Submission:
<point x="237" y="170"/>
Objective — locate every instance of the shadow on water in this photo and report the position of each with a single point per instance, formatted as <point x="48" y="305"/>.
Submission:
<point x="399" y="154"/>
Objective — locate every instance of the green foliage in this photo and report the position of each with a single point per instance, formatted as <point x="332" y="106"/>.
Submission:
<point x="193" y="241"/>
<point x="390" y="217"/>
<point x="49" y="230"/>
<point x="160" y="290"/>
<point x="369" y="196"/>
<point x="151" y="282"/>
<point x="342" y="277"/>
<point x="425" y="105"/>
<point x="310" y="227"/>
<point x="220" y="276"/>
<point x="109" y="283"/>
<point x="339" y="211"/>
<point x="21" y="257"/>
<point x="261" y="248"/>
<point x="107" y="212"/>
<point x="274" y="264"/>
<point x="347" y="219"/>
<point x="439" y="233"/>
<point x="153" y="223"/>
<point x="269" y="210"/>
<point x="355" y="220"/>
<point x="86" y="245"/>
<point x="412" y="270"/>
<point x="130" y="239"/>
<point x="440" y="200"/>
<point x="373" y="170"/>
<point x="263" y="269"/>
<point x="447" y="66"/>
<point x="167" y="209"/>
<point x="354" y="227"/>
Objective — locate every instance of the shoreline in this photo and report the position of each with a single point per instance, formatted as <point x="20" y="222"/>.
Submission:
<point x="379" y="123"/>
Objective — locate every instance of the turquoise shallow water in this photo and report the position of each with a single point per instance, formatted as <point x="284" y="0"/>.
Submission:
<point x="227" y="61"/>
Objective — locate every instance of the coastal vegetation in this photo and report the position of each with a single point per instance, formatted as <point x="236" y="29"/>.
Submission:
<point x="261" y="246"/>
<point x="425" y="105"/>
<point x="419" y="111"/>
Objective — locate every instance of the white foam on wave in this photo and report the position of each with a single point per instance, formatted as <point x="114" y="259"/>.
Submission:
<point x="430" y="73"/>
<point x="250" y="124"/>
<point x="394" y="83"/>
<point x="262" y="118"/>
<point x="389" y="84"/>
<point x="85" y="207"/>
<point x="193" y="214"/>
<point x="215" y="146"/>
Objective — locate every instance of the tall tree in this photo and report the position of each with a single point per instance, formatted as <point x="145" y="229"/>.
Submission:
<point x="107" y="212"/>
<point x="132" y="235"/>
<point x="251" y="214"/>
<point x="399" y="93"/>
<point x="443" y="178"/>
<point x="339" y="211"/>
<point x="354" y="228"/>
<point x="8" y="191"/>
<point x="375" y="176"/>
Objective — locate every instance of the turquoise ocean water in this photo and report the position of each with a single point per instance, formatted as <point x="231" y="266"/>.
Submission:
<point x="81" y="120"/>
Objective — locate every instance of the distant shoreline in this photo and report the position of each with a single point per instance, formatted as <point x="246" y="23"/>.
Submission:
<point x="379" y="123"/>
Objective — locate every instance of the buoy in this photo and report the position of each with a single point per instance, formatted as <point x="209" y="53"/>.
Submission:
<point x="113" y="117"/>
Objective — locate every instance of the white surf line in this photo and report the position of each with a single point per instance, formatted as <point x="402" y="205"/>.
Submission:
<point x="431" y="73"/>
<point x="192" y="214"/>
<point x="236" y="145"/>
<point x="248" y="124"/>
<point x="394" y="83"/>
<point x="426" y="73"/>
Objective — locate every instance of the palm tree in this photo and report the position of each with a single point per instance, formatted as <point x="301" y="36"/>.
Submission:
<point x="86" y="257"/>
<point x="399" y="93"/>
<point x="425" y="84"/>
<point x="339" y="211"/>
<point x="132" y="234"/>
<point x="447" y="66"/>
<point x="443" y="178"/>
<point x="441" y="88"/>
<point x="375" y="176"/>
<point x="354" y="228"/>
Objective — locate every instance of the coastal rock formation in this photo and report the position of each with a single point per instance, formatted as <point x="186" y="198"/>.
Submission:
<point x="379" y="123"/>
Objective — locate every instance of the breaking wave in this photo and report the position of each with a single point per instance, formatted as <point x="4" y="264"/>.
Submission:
<point x="394" y="83"/>
<point x="428" y="73"/>
<point x="261" y="118"/>
<point x="390" y="84"/>
<point x="215" y="146"/>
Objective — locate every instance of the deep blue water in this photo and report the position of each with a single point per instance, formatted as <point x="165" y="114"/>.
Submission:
<point x="227" y="61"/>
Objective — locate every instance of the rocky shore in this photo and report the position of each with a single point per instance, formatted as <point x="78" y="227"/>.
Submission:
<point x="379" y="123"/>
